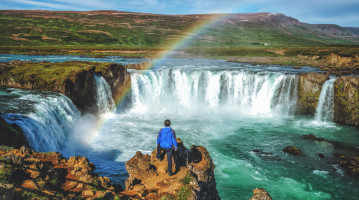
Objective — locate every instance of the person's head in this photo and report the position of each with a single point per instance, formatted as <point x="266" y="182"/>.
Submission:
<point x="167" y="122"/>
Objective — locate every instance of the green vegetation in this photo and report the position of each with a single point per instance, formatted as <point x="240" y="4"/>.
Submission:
<point x="51" y="75"/>
<point x="184" y="193"/>
<point x="186" y="179"/>
<point x="118" y="29"/>
<point x="6" y="148"/>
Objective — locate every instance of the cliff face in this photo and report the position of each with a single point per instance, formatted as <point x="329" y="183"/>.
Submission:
<point x="346" y="100"/>
<point x="193" y="175"/>
<point x="11" y="135"/>
<point x="73" y="79"/>
<point x="310" y="85"/>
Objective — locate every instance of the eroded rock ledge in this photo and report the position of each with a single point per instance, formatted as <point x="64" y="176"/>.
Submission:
<point x="193" y="175"/>
<point x="75" y="79"/>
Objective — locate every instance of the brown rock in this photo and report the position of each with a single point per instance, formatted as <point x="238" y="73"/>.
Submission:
<point x="105" y="182"/>
<point x="88" y="193"/>
<point x="292" y="150"/>
<point x="346" y="100"/>
<point x="310" y="85"/>
<point x="260" y="194"/>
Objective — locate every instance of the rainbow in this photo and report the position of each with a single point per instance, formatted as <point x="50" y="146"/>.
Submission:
<point x="190" y="33"/>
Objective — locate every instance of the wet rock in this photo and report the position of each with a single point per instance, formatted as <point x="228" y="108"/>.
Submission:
<point x="321" y="155"/>
<point x="260" y="194"/>
<point x="292" y="150"/>
<point x="346" y="100"/>
<point x="310" y="85"/>
<point x="313" y="137"/>
<point x="11" y="134"/>
<point x="349" y="163"/>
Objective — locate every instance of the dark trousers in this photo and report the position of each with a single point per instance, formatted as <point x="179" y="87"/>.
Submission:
<point x="169" y="156"/>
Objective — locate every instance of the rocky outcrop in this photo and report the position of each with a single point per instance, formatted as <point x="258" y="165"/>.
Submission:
<point x="77" y="83"/>
<point x="346" y="100"/>
<point x="193" y="175"/>
<point x="31" y="175"/>
<point x="310" y="85"/>
<point x="11" y="135"/>
<point x="260" y="194"/>
<point x="292" y="150"/>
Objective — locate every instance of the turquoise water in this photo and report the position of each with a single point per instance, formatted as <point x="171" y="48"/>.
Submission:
<point x="232" y="110"/>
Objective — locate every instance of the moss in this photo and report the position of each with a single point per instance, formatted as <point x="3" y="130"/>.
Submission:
<point x="184" y="193"/>
<point x="167" y="197"/>
<point x="6" y="148"/>
<point x="186" y="179"/>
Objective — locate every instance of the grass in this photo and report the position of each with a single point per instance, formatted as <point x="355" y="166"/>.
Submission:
<point x="51" y="75"/>
<point x="186" y="179"/>
<point x="114" y="29"/>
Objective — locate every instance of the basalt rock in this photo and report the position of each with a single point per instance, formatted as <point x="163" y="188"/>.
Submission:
<point x="193" y="178"/>
<point x="310" y="86"/>
<point x="11" y="135"/>
<point x="346" y="100"/>
<point x="349" y="163"/>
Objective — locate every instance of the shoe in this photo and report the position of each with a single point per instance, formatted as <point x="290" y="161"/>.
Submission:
<point x="170" y="174"/>
<point x="159" y="159"/>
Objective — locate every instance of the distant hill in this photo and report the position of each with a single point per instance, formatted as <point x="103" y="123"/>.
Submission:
<point x="116" y="28"/>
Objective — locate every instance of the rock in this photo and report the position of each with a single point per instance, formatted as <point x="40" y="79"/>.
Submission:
<point x="321" y="155"/>
<point x="346" y="100"/>
<point x="310" y="85"/>
<point x="88" y="193"/>
<point x="260" y="194"/>
<point x="7" y="191"/>
<point x="11" y="134"/>
<point x="313" y="137"/>
<point x="162" y="166"/>
<point x="194" y="177"/>
<point x="292" y="150"/>
<point x="349" y="163"/>
<point x="105" y="182"/>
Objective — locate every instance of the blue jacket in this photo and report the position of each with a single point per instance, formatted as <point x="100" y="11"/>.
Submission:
<point x="167" y="138"/>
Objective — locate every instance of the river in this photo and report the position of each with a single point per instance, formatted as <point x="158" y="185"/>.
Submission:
<point x="243" y="114"/>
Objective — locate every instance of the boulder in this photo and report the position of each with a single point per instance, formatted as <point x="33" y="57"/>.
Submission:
<point x="292" y="150"/>
<point x="260" y="194"/>
<point x="7" y="191"/>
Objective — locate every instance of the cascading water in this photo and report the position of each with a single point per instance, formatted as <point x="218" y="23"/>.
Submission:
<point x="104" y="99"/>
<point x="325" y="108"/>
<point x="48" y="125"/>
<point x="249" y="92"/>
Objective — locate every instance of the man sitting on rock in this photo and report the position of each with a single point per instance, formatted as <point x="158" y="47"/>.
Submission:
<point x="165" y="141"/>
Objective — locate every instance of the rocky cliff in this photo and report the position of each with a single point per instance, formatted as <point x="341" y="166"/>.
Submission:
<point x="310" y="85"/>
<point x="31" y="175"/>
<point x="74" y="79"/>
<point x="193" y="175"/>
<point x="11" y="135"/>
<point x="346" y="100"/>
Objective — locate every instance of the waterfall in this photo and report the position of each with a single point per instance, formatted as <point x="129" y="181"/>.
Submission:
<point x="250" y="92"/>
<point x="325" y="108"/>
<point x="46" y="128"/>
<point x="104" y="99"/>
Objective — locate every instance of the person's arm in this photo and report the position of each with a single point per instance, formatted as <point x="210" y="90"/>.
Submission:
<point x="158" y="137"/>
<point x="174" y="141"/>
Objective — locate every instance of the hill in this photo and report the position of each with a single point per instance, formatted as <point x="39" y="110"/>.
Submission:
<point x="126" y="29"/>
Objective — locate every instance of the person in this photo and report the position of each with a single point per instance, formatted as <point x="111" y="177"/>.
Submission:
<point x="166" y="141"/>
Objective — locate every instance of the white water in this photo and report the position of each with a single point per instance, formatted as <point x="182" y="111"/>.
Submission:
<point x="104" y="99"/>
<point x="49" y="126"/>
<point x="181" y="90"/>
<point x="325" y="108"/>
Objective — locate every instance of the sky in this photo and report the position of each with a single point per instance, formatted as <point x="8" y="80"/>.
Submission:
<point x="341" y="12"/>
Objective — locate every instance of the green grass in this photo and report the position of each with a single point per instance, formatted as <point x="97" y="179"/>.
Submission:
<point x="35" y="28"/>
<point x="51" y="75"/>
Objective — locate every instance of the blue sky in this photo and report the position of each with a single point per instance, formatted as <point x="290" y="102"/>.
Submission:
<point x="341" y="12"/>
